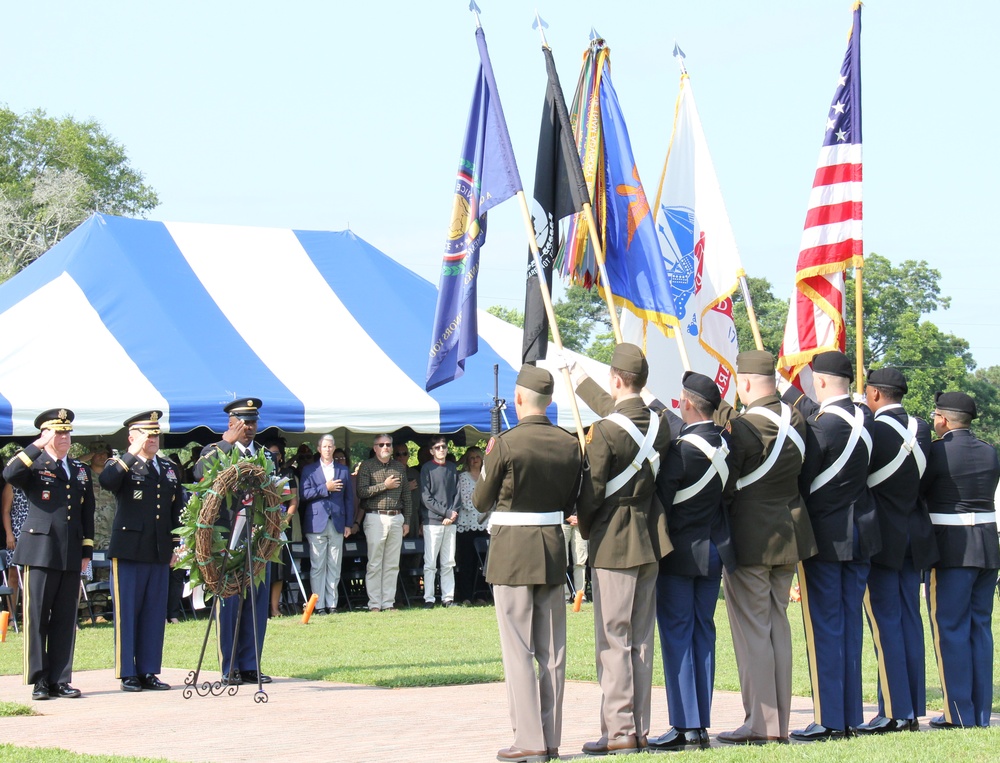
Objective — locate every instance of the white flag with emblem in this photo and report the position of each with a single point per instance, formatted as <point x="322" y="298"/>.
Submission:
<point x="702" y="261"/>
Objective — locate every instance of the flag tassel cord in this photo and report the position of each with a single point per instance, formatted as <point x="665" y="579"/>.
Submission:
<point x="859" y="337"/>
<point x="550" y="313"/>
<point x="751" y="313"/>
<point x="599" y="255"/>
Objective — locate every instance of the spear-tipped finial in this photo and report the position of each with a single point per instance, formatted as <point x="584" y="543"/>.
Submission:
<point x="541" y="25"/>
<point x="679" y="55"/>
<point x="476" y="11"/>
<point x="595" y="35"/>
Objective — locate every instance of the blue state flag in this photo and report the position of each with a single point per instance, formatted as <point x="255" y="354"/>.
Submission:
<point x="487" y="175"/>
<point x="637" y="275"/>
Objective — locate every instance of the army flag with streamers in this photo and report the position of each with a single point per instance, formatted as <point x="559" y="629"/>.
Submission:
<point x="637" y="277"/>
<point x="487" y="175"/>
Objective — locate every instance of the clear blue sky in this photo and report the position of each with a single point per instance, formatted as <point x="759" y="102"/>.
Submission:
<point x="324" y="115"/>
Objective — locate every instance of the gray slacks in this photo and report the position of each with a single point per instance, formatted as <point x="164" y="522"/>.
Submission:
<point x="757" y="603"/>
<point x="532" y="621"/>
<point x="624" y="621"/>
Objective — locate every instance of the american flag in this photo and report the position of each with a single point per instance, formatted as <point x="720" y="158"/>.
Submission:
<point x="831" y="240"/>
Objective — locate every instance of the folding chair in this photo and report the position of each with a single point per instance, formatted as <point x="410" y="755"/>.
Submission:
<point x="411" y="569"/>
<point x="482" y="546"/>
<point x="6" y="591"/>
<point x="293" y="595"/>
<point x="354" y="562"/>
<point x="98" y="590"/>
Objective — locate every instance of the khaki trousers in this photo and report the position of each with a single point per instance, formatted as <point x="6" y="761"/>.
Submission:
<point x="757" y="603"/>
<point x="624" y="620"/>
<point x="384" y="538"/>
<point x="532" y="620"/>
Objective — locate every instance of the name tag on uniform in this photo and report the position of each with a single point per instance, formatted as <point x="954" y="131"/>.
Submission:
<point x="45" y="495"/>
<point x="136" y="495"/>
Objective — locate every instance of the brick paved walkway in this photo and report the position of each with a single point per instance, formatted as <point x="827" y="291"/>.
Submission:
<point x="307" y="720"/>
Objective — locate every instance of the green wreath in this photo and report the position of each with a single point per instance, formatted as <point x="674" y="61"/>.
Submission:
<point x="228" y="479"/>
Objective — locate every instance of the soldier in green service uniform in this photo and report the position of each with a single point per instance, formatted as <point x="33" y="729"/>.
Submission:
<point x="530" y="478"/>
<point x="627" y="533"/>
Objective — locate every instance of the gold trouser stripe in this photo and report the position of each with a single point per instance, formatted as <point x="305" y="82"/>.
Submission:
<point x="810" y="643"/>
<point x="26" y="622"/>
<point x="936" y="631"/>
<point x="116" y="597"/>
<point x="880" y="655"/>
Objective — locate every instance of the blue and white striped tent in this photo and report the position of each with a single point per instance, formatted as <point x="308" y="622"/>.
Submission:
<point x="126" y="315"/>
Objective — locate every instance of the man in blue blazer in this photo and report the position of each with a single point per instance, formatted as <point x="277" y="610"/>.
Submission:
<point x="327" y="515"/>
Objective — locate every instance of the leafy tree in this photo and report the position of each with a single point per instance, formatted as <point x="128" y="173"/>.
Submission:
<point x="771" y="314"/>
<point x="984" y="386"/>
<point x="53" y="174"/>
<point x="509" y="314"/>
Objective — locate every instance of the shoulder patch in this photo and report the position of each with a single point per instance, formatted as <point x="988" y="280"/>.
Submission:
<point x="489" y="445"/>
<point x="590" y="436"/>
<point x="729" y="427"/>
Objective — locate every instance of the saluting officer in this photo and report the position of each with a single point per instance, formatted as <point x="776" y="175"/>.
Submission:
<point x="243" y="416"/>
<point x="900" y="447"/>
<point x="833" y="483"/>
<point x="690" y="485"/>
<point x="530" y="478"/>
<point x="771" y="532"/>
<point x="150" y="498"/>
<point x="617" y="514"/>
<point x="56" y="543"/>
<point x="959" y="486"/>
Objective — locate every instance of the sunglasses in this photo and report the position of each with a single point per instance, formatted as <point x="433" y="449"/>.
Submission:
<point x="383" y="445"/>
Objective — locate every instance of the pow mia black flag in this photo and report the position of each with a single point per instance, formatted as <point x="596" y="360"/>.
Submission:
<point x="560" y="190"/>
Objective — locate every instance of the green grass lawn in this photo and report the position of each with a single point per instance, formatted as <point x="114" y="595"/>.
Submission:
<point x="458" y="646"/>
<point x="420" y="647"/>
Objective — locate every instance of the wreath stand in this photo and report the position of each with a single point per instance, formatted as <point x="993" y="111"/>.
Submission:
<point x="220" y="570"/>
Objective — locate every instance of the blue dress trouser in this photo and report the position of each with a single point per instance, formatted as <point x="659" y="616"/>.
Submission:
<point x="685" y="615"/>
<point x="832" y="600"/>
<point x="139" y="592"/>
<point x="892" y="604"/>
<point x="960" y="600"/>
<point x="247" y="658"/>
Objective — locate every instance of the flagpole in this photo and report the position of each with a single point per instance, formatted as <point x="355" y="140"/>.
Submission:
<point x="550" y="313"/>
<point x="859" y="337"/>
<point x="751" y="313"/>
<point x="588" y="213"/>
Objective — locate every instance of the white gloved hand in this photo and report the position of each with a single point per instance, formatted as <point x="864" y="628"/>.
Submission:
<point x="782" y="383"/>
<point x="560" y="361"/>
<point x="859" y="398"/>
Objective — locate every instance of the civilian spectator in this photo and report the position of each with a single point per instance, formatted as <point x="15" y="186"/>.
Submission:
<point x="327" y="518"/>
<point x="439" y="497"/>
<point x="469" y="529"/>
<point x="280" y="570"/>
<point x="15" y="509"/>
<point x="385" y="501"/>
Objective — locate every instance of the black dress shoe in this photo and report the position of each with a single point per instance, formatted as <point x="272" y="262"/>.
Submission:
<point x="680" y="739"/>
<point x="41" y="690"/>
<point x="131" y="683"/>
<point x="250" y="677"/>
<point x="882" y="725"/>
<point x="815" y="732"/>
<point x="63" y="690"/>
<point x="941" y="723"/>
<point x="232" y="679"/>
<point x="151" y="682"/>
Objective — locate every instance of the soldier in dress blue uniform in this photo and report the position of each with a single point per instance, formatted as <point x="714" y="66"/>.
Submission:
<point x="150" y="498"/>
<point x="690" y="486"/>
<point x="833" y="482"/>
<point x="243" y="416"/>
<point x="900" y="446"/>
<point x="959" y="486"/>
<point x="55" y="546"/>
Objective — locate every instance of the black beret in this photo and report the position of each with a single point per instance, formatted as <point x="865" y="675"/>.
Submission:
<point x="628" y="357"/>
<point x="246" y="408"/>
<point x="536" y="379"/>
<point x="147" y="421"/>
<point x="955" y="401"/>
<point x="755" y="362"/>
<point x="888" y="377"/>
<point x="833" y="363"/>
<point x="702" y="386"/>
<point x="56" y="419"/>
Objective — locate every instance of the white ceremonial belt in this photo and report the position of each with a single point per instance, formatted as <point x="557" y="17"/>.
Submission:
<point x="526" y="518"/>
<point x="965" y="519"/>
